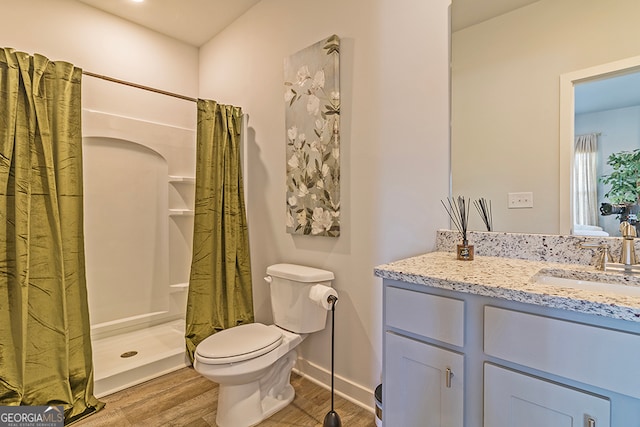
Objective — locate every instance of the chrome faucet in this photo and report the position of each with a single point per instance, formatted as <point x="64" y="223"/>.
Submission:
<point x="628" y="254"/>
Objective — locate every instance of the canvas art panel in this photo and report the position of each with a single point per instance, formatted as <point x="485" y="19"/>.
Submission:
<point x="312" y="120"/>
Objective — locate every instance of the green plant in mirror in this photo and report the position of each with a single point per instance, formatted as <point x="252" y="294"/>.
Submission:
<point x="625" y="177"/>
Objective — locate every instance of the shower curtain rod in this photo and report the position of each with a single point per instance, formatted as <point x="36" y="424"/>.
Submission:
<point x="138" y="86"/>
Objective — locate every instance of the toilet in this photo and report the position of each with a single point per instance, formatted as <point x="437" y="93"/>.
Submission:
<point x="252" y="363"/>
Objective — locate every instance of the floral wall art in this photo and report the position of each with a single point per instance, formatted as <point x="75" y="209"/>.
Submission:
<point x="312" y="119"/>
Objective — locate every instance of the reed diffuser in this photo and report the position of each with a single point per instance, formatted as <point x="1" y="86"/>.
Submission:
<point x="484" y="209"/>
<point x="458" y="211"/>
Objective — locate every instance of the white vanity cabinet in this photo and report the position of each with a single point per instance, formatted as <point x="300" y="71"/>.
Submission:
<point x="456" y="359"/>
<point x="424" y="382"/>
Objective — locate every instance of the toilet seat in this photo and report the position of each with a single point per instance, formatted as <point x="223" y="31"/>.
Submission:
<point x="239" y="343"/>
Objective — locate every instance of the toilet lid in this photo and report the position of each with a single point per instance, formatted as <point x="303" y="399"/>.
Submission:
<point x="239" y="343"/>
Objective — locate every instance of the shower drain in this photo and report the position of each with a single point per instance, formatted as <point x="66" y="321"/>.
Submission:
<point x="129" y="354"/>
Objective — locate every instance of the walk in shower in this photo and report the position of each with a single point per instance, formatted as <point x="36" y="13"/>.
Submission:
<point x="138" y="219"/>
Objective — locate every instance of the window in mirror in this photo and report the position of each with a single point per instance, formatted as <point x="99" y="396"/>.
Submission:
<point x="606" y="126"/>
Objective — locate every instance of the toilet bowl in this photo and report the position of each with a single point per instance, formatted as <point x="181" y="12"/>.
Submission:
<point x="252" y="363"/>
<point x="255" y="383"/>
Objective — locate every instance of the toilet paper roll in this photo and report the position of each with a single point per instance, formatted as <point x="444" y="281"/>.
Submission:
<point x="320" y="294"/>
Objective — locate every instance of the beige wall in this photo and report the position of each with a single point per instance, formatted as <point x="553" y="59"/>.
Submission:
<point x="506" y="99"/>
<point x="394" y="158"/>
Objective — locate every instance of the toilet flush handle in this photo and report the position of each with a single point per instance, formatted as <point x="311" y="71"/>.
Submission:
<point x="268" y="279"/>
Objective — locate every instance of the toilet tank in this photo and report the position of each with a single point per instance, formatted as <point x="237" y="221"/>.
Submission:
<point x="292" y="308"/>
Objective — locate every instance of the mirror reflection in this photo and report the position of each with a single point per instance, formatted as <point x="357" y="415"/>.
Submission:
<point x="506" y="113"/>
<point x="606" y="159"/>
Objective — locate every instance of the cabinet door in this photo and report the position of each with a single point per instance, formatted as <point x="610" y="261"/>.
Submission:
<point x="423" y="384"/>
<point x="513" y="399"/>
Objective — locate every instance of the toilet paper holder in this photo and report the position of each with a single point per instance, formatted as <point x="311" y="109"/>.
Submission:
<point x="322" y="295"/>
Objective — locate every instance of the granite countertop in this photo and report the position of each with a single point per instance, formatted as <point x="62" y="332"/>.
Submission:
<point x="513" y="279"/>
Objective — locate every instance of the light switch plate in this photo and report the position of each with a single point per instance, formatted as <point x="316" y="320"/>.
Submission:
<point x="520" y="200"/>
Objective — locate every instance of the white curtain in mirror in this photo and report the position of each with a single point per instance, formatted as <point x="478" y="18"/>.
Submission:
<point x="585" y="180"/>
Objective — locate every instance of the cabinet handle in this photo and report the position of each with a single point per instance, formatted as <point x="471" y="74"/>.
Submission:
<point x="591" y="422"/>
<point x="448" y="374"/>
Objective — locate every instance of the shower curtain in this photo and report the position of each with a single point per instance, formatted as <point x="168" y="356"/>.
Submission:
<point x="220" y="292"/>
<point x="45" y="349"/>
<point x="585" y="180"/>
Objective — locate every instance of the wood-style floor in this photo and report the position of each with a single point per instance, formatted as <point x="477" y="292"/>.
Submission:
<point x="184" y="398"/>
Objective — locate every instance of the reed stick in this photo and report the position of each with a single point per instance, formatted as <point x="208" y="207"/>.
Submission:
<point x="484" y="209"/>
<point x="459" y="213"/>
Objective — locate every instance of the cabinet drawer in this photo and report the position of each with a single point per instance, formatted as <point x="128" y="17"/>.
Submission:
<point x="592" y="355"/>
<point x="428" y="315"/>
<point x="516" y="399"/>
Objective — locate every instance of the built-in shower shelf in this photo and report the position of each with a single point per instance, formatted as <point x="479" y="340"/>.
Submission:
<point x="183" y="179"/>
<point x="181" y="212"/>
<point x="179" y="287"/>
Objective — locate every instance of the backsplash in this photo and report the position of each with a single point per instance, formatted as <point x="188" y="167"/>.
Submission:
<point x="533" y="247"/>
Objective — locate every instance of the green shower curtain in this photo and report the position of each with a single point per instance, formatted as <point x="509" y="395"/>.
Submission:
<point x="220" y="292"/>
<point x="45" y="349"/>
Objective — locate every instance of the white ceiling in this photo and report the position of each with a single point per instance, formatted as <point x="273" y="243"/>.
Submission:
<point x="192" y="21"/>
<point x="465" y="13"/>
<point x="197" y="21"/>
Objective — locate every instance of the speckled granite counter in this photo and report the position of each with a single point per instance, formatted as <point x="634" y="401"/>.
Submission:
<point x="533" y="247"/>
<point x="512" y="279"/>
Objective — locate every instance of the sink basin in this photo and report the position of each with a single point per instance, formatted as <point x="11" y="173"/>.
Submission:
<point x="588" y="285"/>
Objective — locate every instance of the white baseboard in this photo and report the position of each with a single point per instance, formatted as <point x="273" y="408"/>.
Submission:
<point x="355" y="393"/>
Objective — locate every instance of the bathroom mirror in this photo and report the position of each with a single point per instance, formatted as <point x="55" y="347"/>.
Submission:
<point x="505" y="101"/>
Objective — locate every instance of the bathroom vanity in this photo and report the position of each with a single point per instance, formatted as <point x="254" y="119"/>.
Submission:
<point x="509" y="342"/>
